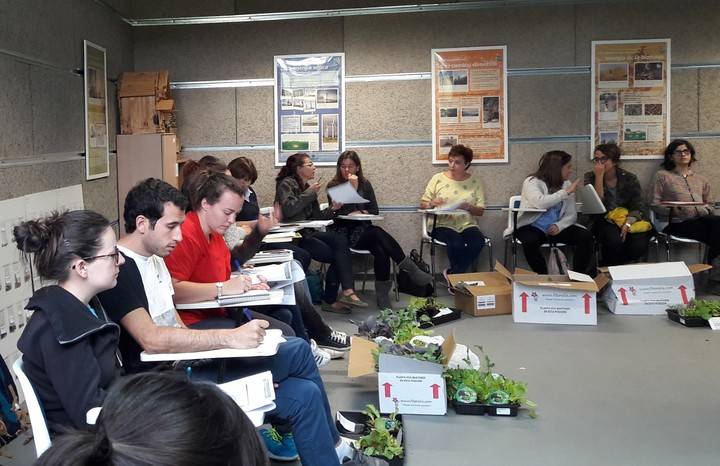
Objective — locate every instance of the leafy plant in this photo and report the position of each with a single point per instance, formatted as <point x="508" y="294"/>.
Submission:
<point x="430" y="352"/>
<point x="400" y="325"/>
<point x="382" y="439"/>
<point x="702" y="308"/>
<point x="491" y="388"/>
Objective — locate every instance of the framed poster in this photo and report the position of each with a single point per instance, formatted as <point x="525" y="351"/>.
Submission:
<point x="469" y="89"/>
<point x="310" y="107"/>
<point x="631" y="96"/>
<point x="97" y="164"/>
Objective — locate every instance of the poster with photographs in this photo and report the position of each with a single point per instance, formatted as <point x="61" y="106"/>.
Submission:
<point x="310" y="107"/>
<point x="631" y="96"/>
<point x="97" y="151"/>
<point x="469" y="102"/>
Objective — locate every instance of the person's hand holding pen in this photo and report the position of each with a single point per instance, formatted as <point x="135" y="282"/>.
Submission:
<point x="249" y="335"/>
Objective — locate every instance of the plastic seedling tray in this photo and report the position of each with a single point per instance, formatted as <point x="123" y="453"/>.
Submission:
<point x="476" y="409"/>
<point x="686" y="321"/>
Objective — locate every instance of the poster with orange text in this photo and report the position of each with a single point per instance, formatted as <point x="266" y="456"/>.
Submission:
<point x="631" y="96"/>
<point x="469" y="88"/>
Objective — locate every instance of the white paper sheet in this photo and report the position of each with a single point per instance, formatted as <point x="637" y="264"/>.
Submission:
<point x="346" y="194"/>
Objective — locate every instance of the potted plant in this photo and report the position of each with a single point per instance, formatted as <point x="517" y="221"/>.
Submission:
<point x="429" y="312"/>
<point x="480" y="391"/>
<point x="695" y="314"/>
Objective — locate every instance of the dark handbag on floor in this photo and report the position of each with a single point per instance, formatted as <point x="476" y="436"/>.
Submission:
<point x="314" y="281"/>
<point x="405" y="283"/>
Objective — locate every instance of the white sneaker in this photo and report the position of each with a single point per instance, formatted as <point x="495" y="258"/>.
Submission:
<point x="320" y="355"/>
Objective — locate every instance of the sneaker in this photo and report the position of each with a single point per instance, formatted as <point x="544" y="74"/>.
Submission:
<point x="321" y="356"/>
<point x="338" y="341"/>
<point x="277" y="447"/>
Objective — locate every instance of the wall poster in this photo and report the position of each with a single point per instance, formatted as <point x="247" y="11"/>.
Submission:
<point x="469" y="88"/>
<point x="631" y="96"/>
<point x="310" y="106"/>
<point x="97" y="164"/>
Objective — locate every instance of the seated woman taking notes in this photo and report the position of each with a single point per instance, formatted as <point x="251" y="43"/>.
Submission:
<point x="550" y="188"/>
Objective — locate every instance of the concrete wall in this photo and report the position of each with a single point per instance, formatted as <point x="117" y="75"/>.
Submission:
<point x="536" y="36"/>
<point x="42" y="106"/>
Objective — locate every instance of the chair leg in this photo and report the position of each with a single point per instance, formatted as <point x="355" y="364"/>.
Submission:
<point x="667" y="249"/>
<point x="365" y="271"/>
<point x="490" y="257"/>
<point x="395" y="281"/>
<point x="432" y="270"/>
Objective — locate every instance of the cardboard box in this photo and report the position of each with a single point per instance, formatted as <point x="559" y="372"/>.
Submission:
<point x="649" y="289"/>
<point x="483" y="293"/>
<point x="552" y="299"/>
<point x="405" y="385"/>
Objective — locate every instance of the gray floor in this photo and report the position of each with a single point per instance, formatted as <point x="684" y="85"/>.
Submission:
<point x="630" y="391"/>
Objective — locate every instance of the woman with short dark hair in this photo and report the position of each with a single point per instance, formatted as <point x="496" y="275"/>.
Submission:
<point x="550" y="188"/>
<point x="162" y="419"/>
<point x="618" y="189"/>
<point x="676" y="182"/>
<point x="460" y="232"/>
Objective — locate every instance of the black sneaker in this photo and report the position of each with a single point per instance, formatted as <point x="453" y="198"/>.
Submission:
<point x="338" y="341"/>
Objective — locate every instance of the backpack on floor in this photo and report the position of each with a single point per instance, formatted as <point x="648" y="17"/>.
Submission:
<point x="314" y="281"/>
<point x="557" y="263"/>
<point x="407" y="286"/>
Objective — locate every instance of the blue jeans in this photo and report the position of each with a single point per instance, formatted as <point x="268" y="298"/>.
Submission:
<point x="462" y="248"/>
<point x="300" y="398"/>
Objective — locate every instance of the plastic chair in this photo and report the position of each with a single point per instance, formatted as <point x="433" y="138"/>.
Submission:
<point x="427" y="239"/>
<point x="37" y="417"/>
<point x="668" y="239"/>
<point x="514" y="203"/>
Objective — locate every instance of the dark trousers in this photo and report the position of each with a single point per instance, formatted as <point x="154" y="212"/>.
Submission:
<point x="704" y="229"/>
<point x="383" y="248"/>
<point x="237" y="318"/>
<point x="462" y="248"/>
<point x="331" y="248"/>
<point x="314" y="323"/>
<point x="615" y="251"/>
<point x="299" y="254"/>
<point x="582" y="240"/>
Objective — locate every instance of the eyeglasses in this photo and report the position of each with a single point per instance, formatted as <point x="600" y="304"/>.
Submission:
<point x="115" y="255"/>
<point x="602" y="159"/>
<point x="682" y="152"/>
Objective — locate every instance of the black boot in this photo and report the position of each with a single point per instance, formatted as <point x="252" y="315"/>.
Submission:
<point x="382" y="293"/>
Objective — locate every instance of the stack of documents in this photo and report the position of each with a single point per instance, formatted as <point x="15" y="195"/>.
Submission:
<point x="271" y="257"/>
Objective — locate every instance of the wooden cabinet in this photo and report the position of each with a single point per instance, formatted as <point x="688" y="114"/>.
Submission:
<point x="141" y="156"/>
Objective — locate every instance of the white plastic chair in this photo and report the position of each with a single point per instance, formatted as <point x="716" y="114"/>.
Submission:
<point x="514" y="203"/>
<point x="668" y="239"/>
<point x="427" y="239"/>
<point x="37" y="417"/>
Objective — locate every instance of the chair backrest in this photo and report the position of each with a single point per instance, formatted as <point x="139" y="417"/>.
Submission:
<point x="37" y="418"/>
<point x="659" y="226"/>
<point x="514" y="203"/>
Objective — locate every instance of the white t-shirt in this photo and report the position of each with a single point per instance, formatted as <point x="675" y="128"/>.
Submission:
<point x="158" y="287"/>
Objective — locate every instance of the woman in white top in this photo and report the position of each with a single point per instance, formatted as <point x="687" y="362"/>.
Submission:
<point x="549" y="188"/>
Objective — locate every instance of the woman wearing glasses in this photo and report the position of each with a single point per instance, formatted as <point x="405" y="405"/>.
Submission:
<point x="675" y="182"/>
<point x="69" y="346"/>
<point x="620" y="240"/>
<point x="298" y="199"/>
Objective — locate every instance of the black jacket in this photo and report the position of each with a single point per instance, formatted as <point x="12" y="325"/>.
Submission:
<point x="69" y="355"/>
<point x="629" y="195"/>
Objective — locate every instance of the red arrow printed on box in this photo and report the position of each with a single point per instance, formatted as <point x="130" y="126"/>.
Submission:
<point x="387" y="386"/>
<point x="683" y="294"/>
<point x="524" y="297"/>
<point x="586" y="298"/>
<point x="623" y="296"/>
<point x="436" y="391"/>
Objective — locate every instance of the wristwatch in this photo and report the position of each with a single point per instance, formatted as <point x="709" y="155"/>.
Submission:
<point x="219" y="286"/>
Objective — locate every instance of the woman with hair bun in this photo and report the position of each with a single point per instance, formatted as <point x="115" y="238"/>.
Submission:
<point x="69" y="345"/>
<point x="184" y="424"/>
